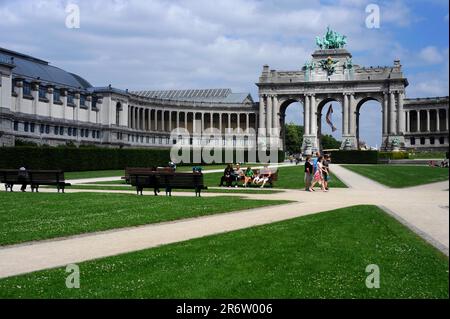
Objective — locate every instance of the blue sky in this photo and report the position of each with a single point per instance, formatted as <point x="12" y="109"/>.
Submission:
<point x="207" y="44"/>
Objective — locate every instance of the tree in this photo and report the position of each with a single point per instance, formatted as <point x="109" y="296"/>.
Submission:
<point x="329" y="142"/>
<point x="293" y="138"/>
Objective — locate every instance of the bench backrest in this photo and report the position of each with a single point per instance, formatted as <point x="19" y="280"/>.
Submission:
<point x="33" y="176"/>
<point x="167" y="179"/>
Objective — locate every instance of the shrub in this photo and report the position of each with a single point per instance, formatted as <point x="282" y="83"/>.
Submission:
<point x="87" y="158"/>
<point x="393" y="155"/>
<point x="354" y="157"/>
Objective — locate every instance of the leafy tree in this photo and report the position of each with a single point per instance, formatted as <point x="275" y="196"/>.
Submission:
<point x="294" y="138"/>
<point x="329" y="142"/>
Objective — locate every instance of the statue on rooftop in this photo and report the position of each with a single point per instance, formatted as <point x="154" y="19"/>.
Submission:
<point x="331" y="40"/>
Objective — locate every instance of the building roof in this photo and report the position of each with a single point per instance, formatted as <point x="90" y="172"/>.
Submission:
<point x="198" y="95"/>
<point x="32" y="68"/>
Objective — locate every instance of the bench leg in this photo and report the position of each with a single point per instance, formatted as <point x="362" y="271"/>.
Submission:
<point x="155" y="191"/>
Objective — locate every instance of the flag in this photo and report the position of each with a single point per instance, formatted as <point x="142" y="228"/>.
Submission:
<point x="328" y="118"/>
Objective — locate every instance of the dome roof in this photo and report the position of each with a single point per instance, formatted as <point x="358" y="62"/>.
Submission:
<point x="32" y="68"/>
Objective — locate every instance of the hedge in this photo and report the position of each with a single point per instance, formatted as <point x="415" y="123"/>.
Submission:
<point x="393" y="155"/>
<point x="354" y="157"/>
<point x="87" y="159"/>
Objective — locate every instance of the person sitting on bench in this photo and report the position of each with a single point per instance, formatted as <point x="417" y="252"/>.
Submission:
<point x="22" y="177"/>
<point x="238" y="174"/>
<point x="263" y="177"/>
<point x="248" y="176"/>
<point x="226" y="176"/>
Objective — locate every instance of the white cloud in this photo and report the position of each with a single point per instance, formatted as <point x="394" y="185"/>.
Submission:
<point x="431" y="55"/>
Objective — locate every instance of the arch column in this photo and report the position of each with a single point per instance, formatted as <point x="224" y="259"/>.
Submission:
<point x="428" y="121"/>
<point x="392" y="124"/>
<point x="418" y="121"/>
<point x="385" y="114"/>
<point x="352" y="115"/>
<point x="306" y="115"/>
<point x="345" y="111"/>
<point x="313" y="115"/>
<point x="269" y="115"/>
<point x="170" y="121"/>
<point x="408" y="121"/>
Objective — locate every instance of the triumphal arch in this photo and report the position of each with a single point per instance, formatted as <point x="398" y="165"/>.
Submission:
<point x="329" y="76"/>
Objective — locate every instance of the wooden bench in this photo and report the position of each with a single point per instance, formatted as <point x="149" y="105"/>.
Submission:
<point x="143" y="170"/>
<point x="167" y="180"/>
<point x="34" y="178"/>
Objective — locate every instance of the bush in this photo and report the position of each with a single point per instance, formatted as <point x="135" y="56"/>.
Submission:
<point x="80" y="159"/>
<point x="354" y="157"/>
<point x="87" y="158"/>
<point x="393" y="155"/>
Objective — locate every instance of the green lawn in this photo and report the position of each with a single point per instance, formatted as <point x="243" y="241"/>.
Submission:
<point x="33" y="216"/>
<point x="290" y="177"/>
<point x="318" y="256"/>
<point x="99" y="186"/>
<point x="398" y="176"/>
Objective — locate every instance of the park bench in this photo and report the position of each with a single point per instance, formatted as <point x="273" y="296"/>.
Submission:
<point x="168" y="180"/>
<point x="143" y="170"/>
<point x="35" y="178"/>
<point x="273" y="178"/>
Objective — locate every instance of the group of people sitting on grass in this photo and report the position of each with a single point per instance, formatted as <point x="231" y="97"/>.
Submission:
<point x="317" y="171"/>
<point x="247" y="177"/>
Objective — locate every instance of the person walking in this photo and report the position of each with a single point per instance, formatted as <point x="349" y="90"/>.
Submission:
<point x="326" y="172"/>
<point x="308" y="173"/>
<point x="318" y="175"/>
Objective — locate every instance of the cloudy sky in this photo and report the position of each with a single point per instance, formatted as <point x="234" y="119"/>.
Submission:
<point x="182" y="44"/>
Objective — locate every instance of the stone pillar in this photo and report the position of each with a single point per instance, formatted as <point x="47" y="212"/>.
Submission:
<point x="229" y="122"/>
<point x="408" y="121"/>
<point x="194" y="127"/>
<point x="352" y="115"/>
<point x="178" y="120"/>
<point x="313" y="115"/>
<point x="306" y="116"/>
<point x="428" y="120"/>
<point x="202" y="126"/>
<point x="185" y="120"/>
<point x="385" y="115"/>
<point x="220" y="123"/>
<point x="50" y="100"/>
<point x="129" y="116"/>
<point x="211" y="120"/>
<point x="247" y="122"/>
<point x="418" y="121"/>
<point x="275" y="111"/>
<point x="345" y="111"/>
<point x="392" y="126"/>
<point x="238" y="118"/>
<point x="170" y="121"/>
<point x="446" y="119"/>
<point x="400" y="114"/>
<point x="438" y="125"/>
<point x="269" y="115"/>
<point x="261" y="112"/>
<point x="162" y="121"/>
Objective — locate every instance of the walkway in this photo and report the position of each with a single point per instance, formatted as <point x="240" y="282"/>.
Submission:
<point x="424" y="209"/>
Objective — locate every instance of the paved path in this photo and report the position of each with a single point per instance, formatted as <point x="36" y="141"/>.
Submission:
<point x="424" y="209"/>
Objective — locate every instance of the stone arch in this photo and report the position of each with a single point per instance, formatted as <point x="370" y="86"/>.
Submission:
<point x="284" y="103"/>
<point x="360" y="101"/>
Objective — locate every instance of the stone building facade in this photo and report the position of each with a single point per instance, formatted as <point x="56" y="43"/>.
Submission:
<point x="47" y="105"/>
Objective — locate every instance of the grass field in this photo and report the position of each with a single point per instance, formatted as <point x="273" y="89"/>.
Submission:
<point x="399" y="176"/>
<point x="428" y="155"/>
<point x="290" y="177"/>
<point x="318" y="256"/>
<point x="34" y="216"/>
<point x="124" y="187"/>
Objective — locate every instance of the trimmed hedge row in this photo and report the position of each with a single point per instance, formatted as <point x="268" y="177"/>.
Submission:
<point x="354" y="157"/>
<point x="89" y="159"/>
<point x="79" y="159"/>
<point x="393" y="155"/>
